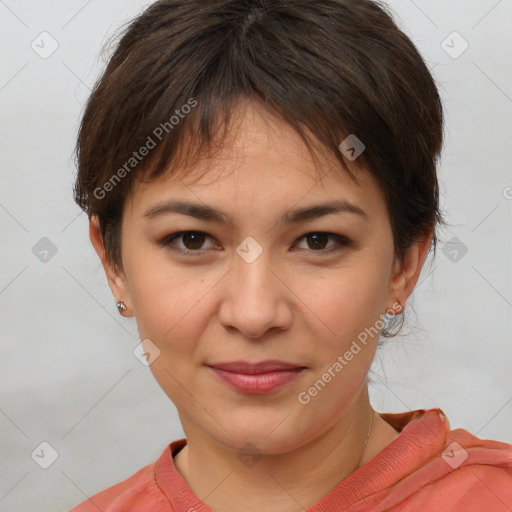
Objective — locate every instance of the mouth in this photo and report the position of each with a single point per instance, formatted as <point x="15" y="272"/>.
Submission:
<point x="256" y="378"/>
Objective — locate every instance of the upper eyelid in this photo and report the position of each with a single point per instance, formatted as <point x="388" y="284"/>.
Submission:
<point x="173" y="236"/>
<point x="177" y="234"/>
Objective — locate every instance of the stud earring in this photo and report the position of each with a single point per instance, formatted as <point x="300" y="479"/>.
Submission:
<point x="121" y="307"/>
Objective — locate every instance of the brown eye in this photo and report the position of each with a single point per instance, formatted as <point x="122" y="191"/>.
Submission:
<point x="317" y="241"/>
<point x="193" y="240"/>
<point x="323" y="243"/>
<point x="188" y="242"/>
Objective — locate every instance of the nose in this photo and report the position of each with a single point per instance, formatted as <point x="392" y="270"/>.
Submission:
<point x="254" y="300"/>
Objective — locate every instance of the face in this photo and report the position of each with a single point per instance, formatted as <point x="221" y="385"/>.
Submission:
<point x="264" y="277"/>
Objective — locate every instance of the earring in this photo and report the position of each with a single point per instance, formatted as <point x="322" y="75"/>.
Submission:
<point x="394" y="311"/>
<point x="121" y="307"/>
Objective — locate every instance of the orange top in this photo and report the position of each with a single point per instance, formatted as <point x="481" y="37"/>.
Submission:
<point x="427" y="468"/>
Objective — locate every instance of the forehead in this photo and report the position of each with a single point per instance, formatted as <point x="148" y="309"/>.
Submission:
<point x="261" y="160"/>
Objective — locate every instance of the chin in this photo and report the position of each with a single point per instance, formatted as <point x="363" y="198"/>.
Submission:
<point x="269" y="445"/>
<point x="265" y="436"/>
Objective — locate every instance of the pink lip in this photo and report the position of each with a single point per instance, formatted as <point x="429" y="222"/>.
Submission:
<point x="256" y="378"/>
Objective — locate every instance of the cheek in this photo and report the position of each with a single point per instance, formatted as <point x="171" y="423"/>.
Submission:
<point x="345" y="316"/>
<point x="171" y="311"/>
<point x="169" y="301"/>
<point x="341" y="303"/>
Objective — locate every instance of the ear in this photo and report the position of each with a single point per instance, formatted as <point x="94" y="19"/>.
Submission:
<point x="115" y="277"/>
<point x="406" y="273"/>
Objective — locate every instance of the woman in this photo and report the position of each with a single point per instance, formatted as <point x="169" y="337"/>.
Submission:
<point x="260" y="179"/>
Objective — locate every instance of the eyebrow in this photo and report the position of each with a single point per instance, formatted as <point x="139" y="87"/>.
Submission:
<point x="205" y="212"/>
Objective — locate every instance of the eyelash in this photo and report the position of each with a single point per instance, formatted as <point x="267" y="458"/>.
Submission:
<point x="169" y="239"/>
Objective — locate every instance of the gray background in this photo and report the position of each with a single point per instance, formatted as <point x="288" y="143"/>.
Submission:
<point x="68" y="374"/>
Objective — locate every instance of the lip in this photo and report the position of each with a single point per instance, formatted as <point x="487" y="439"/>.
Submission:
<point x="256" y="378"/>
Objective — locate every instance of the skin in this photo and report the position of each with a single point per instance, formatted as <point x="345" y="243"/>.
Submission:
<point x="297" y="302"/>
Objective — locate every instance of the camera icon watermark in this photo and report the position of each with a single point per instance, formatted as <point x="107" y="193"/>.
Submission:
<point x="454" y="45"/>
<point x="249" y="249"/>
<point x="44" y="250"/>
<point x="146" y="352"/>
<point x="352" y="147"/>
<point x="44" y="455"/>
<point x="454" y="455"/>
<point x="454" y="249"/>
<point x="45" y="45"/>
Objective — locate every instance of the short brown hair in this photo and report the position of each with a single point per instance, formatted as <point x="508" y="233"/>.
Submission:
<point x="330" y="68"/>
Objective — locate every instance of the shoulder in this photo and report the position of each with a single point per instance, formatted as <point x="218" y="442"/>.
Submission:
<point x="432" y="468"/>
<point x="471" y="488"/>
<point x="138" y="493"/>
<point x="470" y="474"/>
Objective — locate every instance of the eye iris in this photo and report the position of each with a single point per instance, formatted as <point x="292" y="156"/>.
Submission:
<point x="193" y="240"/>
<point x="319" y="241"/>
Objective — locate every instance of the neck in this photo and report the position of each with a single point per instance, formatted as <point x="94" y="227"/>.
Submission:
<point x="287" y="481"/>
